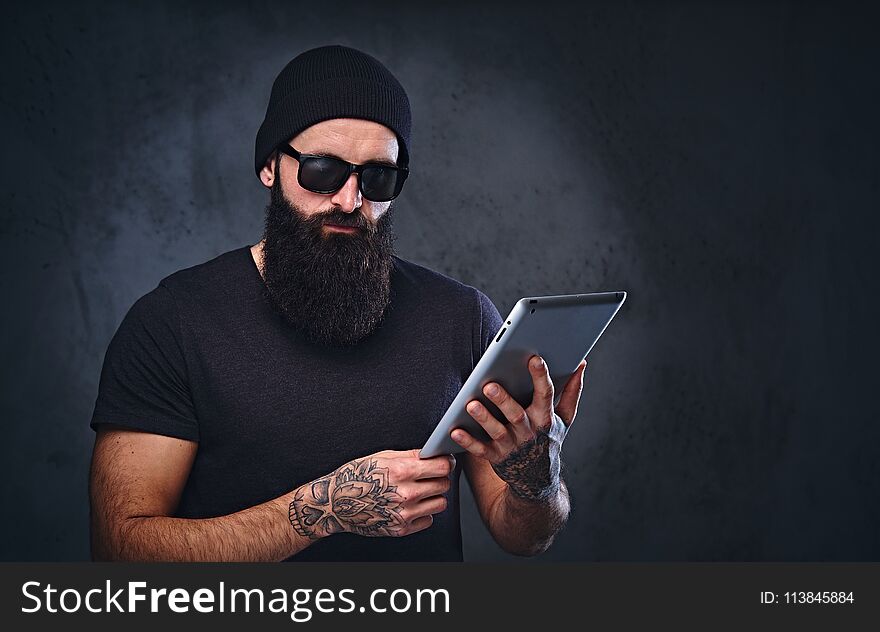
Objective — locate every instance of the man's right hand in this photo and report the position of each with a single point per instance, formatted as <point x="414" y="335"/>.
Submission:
<point x="389" y="493"/>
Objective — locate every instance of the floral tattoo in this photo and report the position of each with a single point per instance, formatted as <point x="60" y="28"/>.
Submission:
<point x="356" y="498"/>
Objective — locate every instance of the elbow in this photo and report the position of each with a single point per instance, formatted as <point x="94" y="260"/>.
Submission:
<point x="99" y="542"/>
<point x="101" y="556"/>
<point x="101" y="551"/>
<point x="104" y="548"/>
<point x="526" y="549"/>
<point x="533" y="536"/>
<point x="110" y="541"/>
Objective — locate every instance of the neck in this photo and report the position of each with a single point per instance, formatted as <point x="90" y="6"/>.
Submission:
<point x="257" y="254"/>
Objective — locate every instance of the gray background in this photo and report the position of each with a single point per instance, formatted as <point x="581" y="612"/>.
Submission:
<point x="717" y="161"/>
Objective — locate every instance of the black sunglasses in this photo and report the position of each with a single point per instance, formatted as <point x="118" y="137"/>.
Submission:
<point x="324" y="174"/>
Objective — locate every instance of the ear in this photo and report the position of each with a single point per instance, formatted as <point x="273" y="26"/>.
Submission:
<point x="267" y="173"/>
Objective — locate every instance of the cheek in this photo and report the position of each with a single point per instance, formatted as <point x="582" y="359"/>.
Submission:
<point x="308" y="202"/>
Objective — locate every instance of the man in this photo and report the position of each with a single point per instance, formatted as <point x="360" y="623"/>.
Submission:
<point x="269" y="404"/>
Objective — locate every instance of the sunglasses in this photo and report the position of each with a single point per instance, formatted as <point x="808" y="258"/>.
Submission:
<point x="324" y="174"/>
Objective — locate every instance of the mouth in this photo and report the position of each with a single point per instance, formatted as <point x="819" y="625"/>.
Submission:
<point x="342" y="229"/>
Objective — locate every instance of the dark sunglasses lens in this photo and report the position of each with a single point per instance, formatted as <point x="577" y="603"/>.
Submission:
<point x="322" y="175"/>
<point x="380" y="184"/>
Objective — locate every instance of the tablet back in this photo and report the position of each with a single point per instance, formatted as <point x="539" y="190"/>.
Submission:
<point x="561" y="329"/>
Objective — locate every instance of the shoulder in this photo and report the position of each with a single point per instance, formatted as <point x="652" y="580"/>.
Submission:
<point x="204" y="277"/>
<point x="447" y="298"/>
<point x="178" y="292"/>
<point x="444" y="293"/>
<point x="413" y="276"/>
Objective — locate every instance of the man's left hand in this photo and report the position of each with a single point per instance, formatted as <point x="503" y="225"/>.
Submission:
<point x="525" y="451"/>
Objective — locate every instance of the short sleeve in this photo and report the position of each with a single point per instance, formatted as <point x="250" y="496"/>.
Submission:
<point x="487" y="323"/>
<point x="144" y="381"/>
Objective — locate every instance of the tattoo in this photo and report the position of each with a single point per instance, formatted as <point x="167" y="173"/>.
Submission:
<point x="356" y="498"/>
<point x="532" y="470"/>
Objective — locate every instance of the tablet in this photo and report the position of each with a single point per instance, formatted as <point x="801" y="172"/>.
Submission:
<point x="561" y="329"/>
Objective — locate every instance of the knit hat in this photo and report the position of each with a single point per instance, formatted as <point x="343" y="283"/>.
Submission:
<point x="332" y="82"/>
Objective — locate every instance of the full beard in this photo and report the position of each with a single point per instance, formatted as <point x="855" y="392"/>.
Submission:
<point x="333" y="287"/>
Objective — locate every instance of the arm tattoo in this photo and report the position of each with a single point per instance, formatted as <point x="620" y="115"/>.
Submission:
<point x="532" y="470"/>
<point x="356" y="498"/>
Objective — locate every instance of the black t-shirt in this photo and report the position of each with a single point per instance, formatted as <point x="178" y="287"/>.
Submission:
<point x="204" y="357"/>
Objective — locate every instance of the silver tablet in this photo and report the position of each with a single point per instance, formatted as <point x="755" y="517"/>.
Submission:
<point x="561" y="329"/>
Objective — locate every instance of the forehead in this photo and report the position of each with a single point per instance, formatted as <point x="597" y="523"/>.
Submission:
<point x="356" y="140"/>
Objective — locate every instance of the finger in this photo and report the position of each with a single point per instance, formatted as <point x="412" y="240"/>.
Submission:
<point x="510" y="408"/>
<point x="419" y="524"/>
<point x="571" y="394"/>
<point x="496" y="430"/>
<point x="433" y="467"/>
<point x="542" y="399"/>
<point x="473" y="446"/>
<point x="429" y="487"/>
<point x="426" y="507"/>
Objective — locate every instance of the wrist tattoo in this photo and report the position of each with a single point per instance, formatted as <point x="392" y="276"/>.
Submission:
<point x="532" y="470"/>
<point x="356" y="498"/>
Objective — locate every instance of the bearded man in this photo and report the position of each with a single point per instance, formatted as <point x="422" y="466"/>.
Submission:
<point x="269" y="404"/>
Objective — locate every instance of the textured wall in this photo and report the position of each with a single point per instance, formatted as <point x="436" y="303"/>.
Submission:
<point x="718" y="162"/>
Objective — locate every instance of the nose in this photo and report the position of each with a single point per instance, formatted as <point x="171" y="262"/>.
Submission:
<point x="348" y="198"/>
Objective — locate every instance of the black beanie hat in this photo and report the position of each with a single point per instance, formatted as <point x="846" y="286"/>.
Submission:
<point x="332" y="82"/>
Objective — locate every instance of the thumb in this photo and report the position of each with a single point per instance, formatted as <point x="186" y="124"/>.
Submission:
<point x="571" y="394"/>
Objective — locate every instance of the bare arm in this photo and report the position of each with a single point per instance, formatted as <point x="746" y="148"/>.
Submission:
<point x="515" y="476"/>
<point x="135" y="485"/>
<point x="519" y="526"/>
<point x="137" y="479"/>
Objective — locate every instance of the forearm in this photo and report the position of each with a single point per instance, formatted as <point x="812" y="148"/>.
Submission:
<point x="257" y="534"/>
<point x="390" y="494"/>
<point x="527" y="527"/>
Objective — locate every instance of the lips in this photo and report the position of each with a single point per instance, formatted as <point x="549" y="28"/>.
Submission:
<point x="344" y="229"/>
